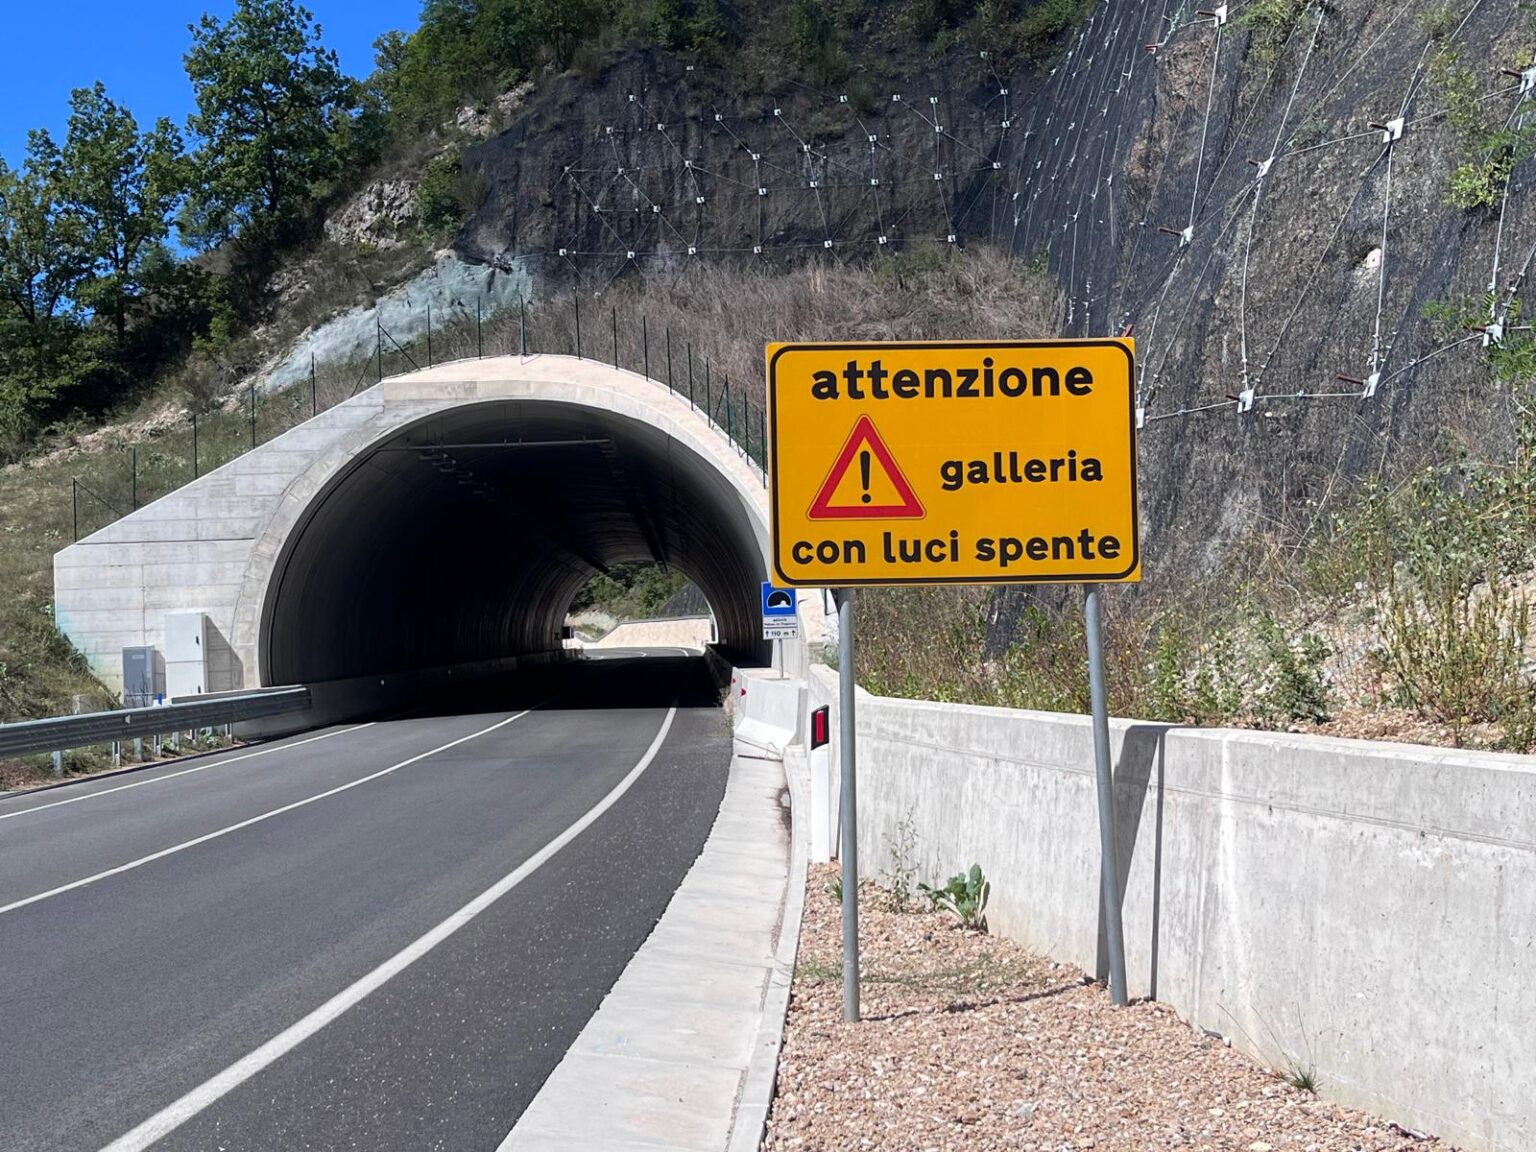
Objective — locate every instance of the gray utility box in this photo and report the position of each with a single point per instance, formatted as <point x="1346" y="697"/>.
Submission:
<point x="143" y="676"/>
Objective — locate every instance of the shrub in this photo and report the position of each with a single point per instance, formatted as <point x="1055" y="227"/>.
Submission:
<point x="1455" y="655"/>
<point x="1270" y="23"/>
<point x="437" y="197"/>
<point x="964" y="897"/>
<point x="1295" y="686"/>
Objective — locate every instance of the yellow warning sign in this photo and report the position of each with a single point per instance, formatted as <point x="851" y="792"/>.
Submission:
<point x="953" y="463"/>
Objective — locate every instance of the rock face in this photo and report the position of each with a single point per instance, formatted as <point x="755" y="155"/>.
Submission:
<point x="382" y="215"/>
<point x="481" y="121"/>
<point x="1211" y="185"/>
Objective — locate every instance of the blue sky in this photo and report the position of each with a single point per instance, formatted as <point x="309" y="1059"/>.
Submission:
<point x="48" y="47"/>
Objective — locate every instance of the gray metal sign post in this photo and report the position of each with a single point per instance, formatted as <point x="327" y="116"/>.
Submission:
<point x="848" y="813"/>
<point x="1109" y="876"/>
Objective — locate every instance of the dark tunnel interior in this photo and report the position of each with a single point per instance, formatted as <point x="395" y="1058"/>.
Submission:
<point x="465" y="536"/>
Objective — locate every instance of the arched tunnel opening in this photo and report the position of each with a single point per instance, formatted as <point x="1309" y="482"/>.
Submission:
<point x="464" y="537"/>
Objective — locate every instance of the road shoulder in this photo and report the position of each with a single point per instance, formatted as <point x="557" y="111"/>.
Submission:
<point x="680" y="1055"/>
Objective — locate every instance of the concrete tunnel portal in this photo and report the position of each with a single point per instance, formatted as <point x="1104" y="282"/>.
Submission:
<point x="464" y="536"/>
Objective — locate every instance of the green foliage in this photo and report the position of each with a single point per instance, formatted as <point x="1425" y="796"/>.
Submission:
<point x="43" y="263"/>
<point x="964" y="897"/>
<point x="1270" y="24"/>
<point x="1455" y="654"/>
<point x="439" y="206"/>
<point x="1010" y="28"/>
<point x="1294" y="685"/>
<point x="630" y="591"/>
<point x="1439" y="22"/>
<point x="1046" y="666"/>
<point x="1191" y="682"/>
<point x="1303" y="1079"/>
<point x="1438" y="561"/>
<point x="834" y="888"/>
<point x="121" y="187"/>
<point x="816" y="44"/>
<point x="465" y="51"/>
<point x="1479" y="183"/>
<point x="1489" y="148"/>
<point x="270" y="99"/>
<point x="902" y="872"/>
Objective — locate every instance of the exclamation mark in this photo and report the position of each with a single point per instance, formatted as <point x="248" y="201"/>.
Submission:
<point x="864" y="472"/>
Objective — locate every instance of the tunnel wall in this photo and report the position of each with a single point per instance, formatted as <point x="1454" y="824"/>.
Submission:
<point x="218" y="544"/>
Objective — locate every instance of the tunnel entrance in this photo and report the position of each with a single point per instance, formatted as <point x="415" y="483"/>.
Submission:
<point x="464" y="537"/>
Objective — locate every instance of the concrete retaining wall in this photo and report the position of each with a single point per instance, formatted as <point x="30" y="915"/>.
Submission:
<point x="673" y="632"/>
<point x="1366" y="909"/>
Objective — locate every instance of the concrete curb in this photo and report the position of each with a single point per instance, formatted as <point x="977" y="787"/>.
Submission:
<point x="758" y="1085"/>
<point x="682" y="1051"/>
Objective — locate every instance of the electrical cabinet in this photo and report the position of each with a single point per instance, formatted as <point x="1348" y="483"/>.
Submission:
<point x="143" y="676"/>
<point x="186" y="654"/>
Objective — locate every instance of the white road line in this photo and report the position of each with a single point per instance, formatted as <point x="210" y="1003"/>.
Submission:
<point x="168" y="1119"/>
<point x="184" y="772"/>
<point x="203" y="839"/>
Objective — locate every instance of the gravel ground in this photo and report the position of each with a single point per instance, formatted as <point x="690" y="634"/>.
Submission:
<point x="969" y="1042"/>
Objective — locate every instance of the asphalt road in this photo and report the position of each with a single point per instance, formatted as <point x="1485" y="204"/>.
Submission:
<point x="187" y="936"/>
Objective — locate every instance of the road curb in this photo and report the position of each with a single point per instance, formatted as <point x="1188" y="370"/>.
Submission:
<point x="682" y="1053"/>
<point x="757" y="1090"/>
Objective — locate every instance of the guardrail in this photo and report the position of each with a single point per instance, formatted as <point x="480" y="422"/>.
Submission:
<point x="57" y="733"/>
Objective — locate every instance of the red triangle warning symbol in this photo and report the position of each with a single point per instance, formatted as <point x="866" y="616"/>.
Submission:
<point x="854" y="475"/>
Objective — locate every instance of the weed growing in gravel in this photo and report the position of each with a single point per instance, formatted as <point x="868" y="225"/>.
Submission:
<point x="818" y="971"/>
<point x="902" y="874"/>
<point x="964" y="897"/>
<point x="1303" y="1079"/>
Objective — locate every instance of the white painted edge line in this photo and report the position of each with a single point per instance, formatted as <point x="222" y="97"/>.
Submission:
<point x="267" y="751"/>
<point x="761" y="1077"/>
<point x="214" y="835"/>
<point x="209" y="1092"/>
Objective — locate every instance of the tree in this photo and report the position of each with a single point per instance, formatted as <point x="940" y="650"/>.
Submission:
<point x="42" y="265"/>
<point x="270" y="98"/>
<point x="121" y="188"/>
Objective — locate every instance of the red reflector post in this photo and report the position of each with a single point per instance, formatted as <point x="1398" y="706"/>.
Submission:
<point x="821" y="726"/>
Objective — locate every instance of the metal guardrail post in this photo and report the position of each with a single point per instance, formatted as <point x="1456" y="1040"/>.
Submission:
<point x="195" y="472"/>
<point x="645" y="347"/>
<point x="314" y="391"/>
<point x="429" y="334"/>
<point x="577" y="301"/>
<point x="615" y="335"/>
